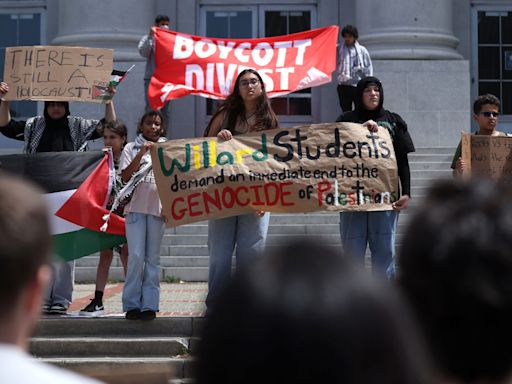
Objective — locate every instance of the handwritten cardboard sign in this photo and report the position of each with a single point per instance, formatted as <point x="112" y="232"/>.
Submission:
<point x="57" y="73"/>
<point x="333" y="167"/>
<point x="488" y="156"/>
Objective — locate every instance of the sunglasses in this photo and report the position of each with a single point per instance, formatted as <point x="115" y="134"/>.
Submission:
<point x="490" y="114"/>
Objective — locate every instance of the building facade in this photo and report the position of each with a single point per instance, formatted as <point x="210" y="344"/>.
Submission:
<point x="433" y="57"/>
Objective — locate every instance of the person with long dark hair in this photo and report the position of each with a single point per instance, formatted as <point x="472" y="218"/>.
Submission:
<point x="246" y="109"/>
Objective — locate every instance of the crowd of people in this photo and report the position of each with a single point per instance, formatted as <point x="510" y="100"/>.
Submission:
<point x="435" y="313"/>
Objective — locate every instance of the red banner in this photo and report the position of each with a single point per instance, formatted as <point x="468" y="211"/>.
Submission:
<point x="187" y="64"/>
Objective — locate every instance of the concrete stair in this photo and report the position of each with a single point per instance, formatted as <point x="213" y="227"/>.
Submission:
<point x="184" y="249"/>
<point x="115" y="347"/>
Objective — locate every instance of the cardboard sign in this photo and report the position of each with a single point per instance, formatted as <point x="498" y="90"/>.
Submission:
<point x="57" y="73"/>
<point x="488" y="156"/>
<point x="187" y="64"/>
<point x="332" y="167"/>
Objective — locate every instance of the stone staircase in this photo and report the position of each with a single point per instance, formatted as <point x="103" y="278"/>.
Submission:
<point x="117" y="350"/>
<point x="184" y="249"/>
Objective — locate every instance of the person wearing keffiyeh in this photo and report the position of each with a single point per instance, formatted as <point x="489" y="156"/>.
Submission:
<point x="354" y="63"/>
<point x="143" y="219"/>
<point x="57" y="130"/>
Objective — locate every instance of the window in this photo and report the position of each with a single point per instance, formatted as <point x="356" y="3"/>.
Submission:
<point x="284" y="23"/>
<point x="495" y="56"/>
<point x="234" y="24"/>
<point x="18" y="29"/>
<point x="255" y="21"/>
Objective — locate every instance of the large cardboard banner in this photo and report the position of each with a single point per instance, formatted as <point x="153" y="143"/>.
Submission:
<point x="488" y="157"/>
<point x="187" y="64"/>
<point x="57" y="73"/>
<point x="333" y="167"/>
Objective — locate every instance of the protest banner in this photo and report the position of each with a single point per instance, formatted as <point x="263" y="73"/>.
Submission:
<point x="338" y="166"/>
<point x="187" y="64"/>
<point x="57" y="73"/>
<point x="487" y="156"/>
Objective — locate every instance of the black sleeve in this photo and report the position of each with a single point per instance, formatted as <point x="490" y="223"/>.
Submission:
<point x="14" y="130"/>
<point x="404" y="173"/>
<point x="96" y="132"/>
<point x="402" y="141"/>
<point x="347" y="117"/>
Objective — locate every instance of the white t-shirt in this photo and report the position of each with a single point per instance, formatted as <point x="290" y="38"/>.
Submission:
<point x="145" y="198"/>
<point x="17" y="367"/>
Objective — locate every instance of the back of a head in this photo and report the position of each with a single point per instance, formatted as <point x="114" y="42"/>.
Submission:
<point x="24" y="236"/>
<point x="304" y="314"/>
<point x="456" y="270"/>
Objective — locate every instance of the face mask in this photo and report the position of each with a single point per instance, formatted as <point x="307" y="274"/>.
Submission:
<point x="164" y="26"/>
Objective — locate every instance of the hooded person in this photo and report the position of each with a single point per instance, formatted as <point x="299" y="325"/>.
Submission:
<point x="56" y="131"/>
<point x="377" y="228"/>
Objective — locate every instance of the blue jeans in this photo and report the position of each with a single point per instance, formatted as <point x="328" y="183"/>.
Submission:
<point x="144" y="234"/>
<point x="60" y="287"/>
<point x="377" y="229"/>
<point x="248" y="232"/>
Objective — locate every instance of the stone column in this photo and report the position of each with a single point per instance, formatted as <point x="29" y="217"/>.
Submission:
<point x="117" y="25"/>
<point x="426" y="81"/>
<point x="405" y="30"/>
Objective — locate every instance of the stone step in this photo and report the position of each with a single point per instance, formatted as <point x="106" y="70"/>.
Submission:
<point x="124" y="367"/>
<point x="428" y="157"/>
<point x="431" y="165"/>
<point x="431" y="174"/>
<point x="69" y="326"/>
<point x="108" y="346"/>
<point x="434" y="150"/>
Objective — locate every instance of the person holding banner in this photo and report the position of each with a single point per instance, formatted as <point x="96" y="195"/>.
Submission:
<point x="147" y="49"/>
<point x="377" y="228"/>
<point x="246" y="109"/>
<point x="486" y="111"/>
<point x="143" y="219"/>
<point x="55" y="131"/>
<point x="354" y="63"/>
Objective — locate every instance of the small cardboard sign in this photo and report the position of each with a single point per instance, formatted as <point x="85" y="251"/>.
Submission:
<point x="57" y="73"/>
<point x="488" y="157"/>
<point x="318" y="167"/>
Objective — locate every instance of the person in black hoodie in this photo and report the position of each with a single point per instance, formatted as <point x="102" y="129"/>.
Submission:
<point x="377" y="228"/>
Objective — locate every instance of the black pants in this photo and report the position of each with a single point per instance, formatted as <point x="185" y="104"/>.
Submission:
<point x="346" y="96"/>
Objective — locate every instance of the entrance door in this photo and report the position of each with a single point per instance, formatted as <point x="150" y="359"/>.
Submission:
<point x="261" y="21"/>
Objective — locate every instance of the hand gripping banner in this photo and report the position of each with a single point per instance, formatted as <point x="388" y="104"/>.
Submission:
<point x="187" y="64"/>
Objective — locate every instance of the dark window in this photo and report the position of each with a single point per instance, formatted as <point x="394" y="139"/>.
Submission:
<point x="495" y="56"/>
<point x="227" y="24"/>
<point x="283" y="23"/>
<point x="18" y="30"/>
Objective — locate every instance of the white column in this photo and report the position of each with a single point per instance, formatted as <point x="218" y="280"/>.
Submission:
<point x="115" y="24"/>
<point x="407" y="29"/>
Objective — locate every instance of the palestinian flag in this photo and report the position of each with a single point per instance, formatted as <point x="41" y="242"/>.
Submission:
<point x="103" y="92"/>
<point x="77" y="186"/>
<point x="117" y="76"/>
